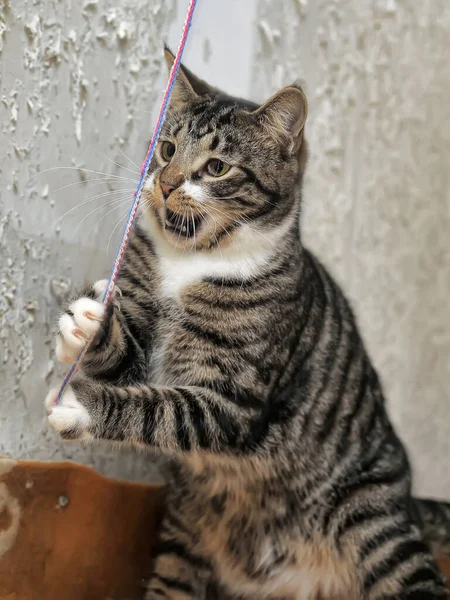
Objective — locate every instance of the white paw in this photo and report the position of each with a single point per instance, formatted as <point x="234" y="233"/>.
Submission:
<point x="69" y="415"/>
<point x="76" y="330"/>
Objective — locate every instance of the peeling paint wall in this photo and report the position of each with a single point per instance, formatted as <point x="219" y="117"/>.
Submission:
<point x="79" y="84"/>
<point x="377" y="198"/>
<point x="79" y="81"/>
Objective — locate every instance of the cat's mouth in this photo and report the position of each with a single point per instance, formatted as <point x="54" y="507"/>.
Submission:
<point x="182" y="225"/>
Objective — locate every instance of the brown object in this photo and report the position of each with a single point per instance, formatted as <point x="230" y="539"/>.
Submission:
<point x="67" y="533"/>
<point x="444" y="564"/>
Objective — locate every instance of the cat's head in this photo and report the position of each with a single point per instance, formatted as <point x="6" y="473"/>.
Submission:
<point x="225" y="170"/>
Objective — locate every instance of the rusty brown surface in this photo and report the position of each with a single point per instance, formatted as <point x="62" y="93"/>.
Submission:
<point x="80" y="535"/>
<point x="444" y="564"/>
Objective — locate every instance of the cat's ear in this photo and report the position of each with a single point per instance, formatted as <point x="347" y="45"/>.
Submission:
<point x="187" y="86"/>
<point x="283" y="117"/>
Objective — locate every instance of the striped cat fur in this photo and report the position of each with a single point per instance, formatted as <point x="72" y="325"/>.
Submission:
<point x="231" y="349"/>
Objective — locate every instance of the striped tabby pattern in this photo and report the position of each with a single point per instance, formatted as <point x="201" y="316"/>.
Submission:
<point x="231" y="349"/>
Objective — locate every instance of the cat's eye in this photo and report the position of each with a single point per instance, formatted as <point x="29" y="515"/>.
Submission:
<point x="167" y="150"/>
<point x="217" y="168"/>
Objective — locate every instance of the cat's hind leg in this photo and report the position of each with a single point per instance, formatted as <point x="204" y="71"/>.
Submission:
<point x="180" y="572"/>
<point x="398" y="565"/>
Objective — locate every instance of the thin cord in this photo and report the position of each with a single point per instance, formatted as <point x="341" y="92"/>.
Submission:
<point x="137" y="195"/>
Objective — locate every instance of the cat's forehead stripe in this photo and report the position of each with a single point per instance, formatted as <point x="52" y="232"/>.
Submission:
<point x="177" y="128"/>
<point x="214" y="143"/>
<point x="208" y="116"/>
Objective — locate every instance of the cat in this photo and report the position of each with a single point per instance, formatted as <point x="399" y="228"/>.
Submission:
<point x="229" y="348"/>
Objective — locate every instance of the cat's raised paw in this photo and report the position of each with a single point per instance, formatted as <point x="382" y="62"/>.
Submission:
<point x="79" y="323"/>
<point x="69" y="417"/>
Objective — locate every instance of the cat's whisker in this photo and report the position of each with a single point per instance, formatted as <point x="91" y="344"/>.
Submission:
<point x="186" y="239"/>
<point x="217" y="241"/>
<point x="129" y="159"/>
<point x="145" y="205"/>
<point x="82" y="169"/>
<point x="212" y="207"/>
<point x="122" y="166"/>
<point x="112" y="202"/>
<point x="222" y="226"/>
<point x="213" y="233"/>
<point x="185" y="242"/>
<point x="233" y="242"/>
<point x="122" y="203"/>
<point x="92" y="199"/>
<point x="94" y="181"/>
<point x="193" y="225"/>
<point x="121" y="220"/>
<point x="179" y="226"/>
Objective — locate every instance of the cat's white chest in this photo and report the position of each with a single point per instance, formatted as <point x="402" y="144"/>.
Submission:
<point x="178" y="272"/>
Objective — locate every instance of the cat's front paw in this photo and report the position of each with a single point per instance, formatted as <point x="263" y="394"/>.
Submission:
<point x="69" y="417"/>
<point x="81" y="321"/>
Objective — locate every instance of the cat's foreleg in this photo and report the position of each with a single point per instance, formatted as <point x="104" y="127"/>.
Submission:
<point x="174" y="419"/>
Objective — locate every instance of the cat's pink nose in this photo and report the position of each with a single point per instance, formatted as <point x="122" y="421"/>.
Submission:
<point x="167" y="189"/>
<point x="170" y="184"/>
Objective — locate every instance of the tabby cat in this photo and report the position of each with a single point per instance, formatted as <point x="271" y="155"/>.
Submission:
<point x="230" y="349"/>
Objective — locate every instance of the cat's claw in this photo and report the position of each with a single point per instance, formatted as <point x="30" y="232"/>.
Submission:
<point x="69" y="417"/>
<point x="81" y="322"/>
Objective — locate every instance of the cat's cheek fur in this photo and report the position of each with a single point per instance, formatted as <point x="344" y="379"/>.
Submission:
<point x="69" y="417"/>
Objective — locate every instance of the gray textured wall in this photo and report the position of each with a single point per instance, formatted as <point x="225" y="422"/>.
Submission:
<point x="79" y="85"/>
